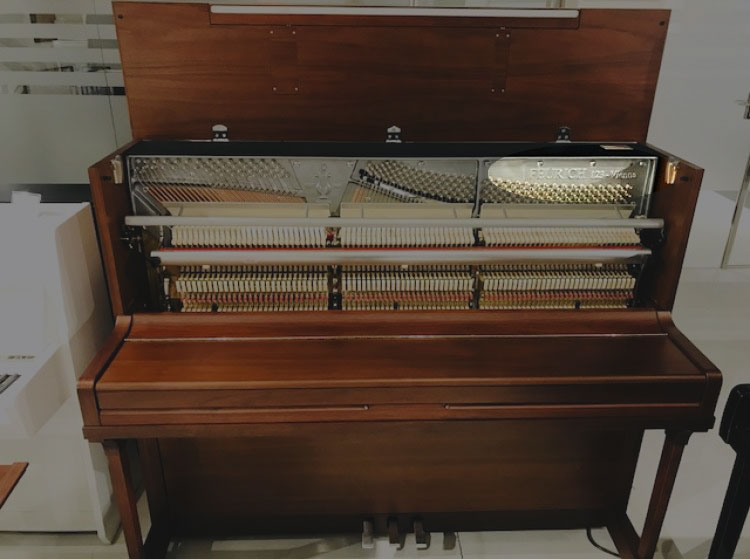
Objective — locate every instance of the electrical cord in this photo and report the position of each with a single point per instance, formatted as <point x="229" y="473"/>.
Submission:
<point x="590" y="536"/>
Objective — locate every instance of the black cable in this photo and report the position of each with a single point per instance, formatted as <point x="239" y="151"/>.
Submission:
<point x="590" y="536"/>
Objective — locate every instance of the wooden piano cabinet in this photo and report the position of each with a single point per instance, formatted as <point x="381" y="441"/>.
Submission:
<point x="219" y="486"/>
<point x="239" y="437"/>
<point x="10" y="475"/>
<point x="301" y="422"/>
<point x="438" y="78"/>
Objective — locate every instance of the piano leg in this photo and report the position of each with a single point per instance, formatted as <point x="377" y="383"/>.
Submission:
<point x="157" y="541"/>
<point x="119" y="472"/>
<point x="674" y="444"/>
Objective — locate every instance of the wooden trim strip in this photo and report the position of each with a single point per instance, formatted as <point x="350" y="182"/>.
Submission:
<point x="100" y="179"/>
<point x="391" y="382"/>
<point x="683" y="343"/>
<point x="419" y="412"/>
<point x="713" y="375"/>
<point x="9" y="478"/>
<point x="231" y="430"/>
<point x="158" y="326"/>
<point x="613" y="393"/>
<point x="92" y="373"/>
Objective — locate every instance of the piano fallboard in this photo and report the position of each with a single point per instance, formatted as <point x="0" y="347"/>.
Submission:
<point x="308" y="367"/>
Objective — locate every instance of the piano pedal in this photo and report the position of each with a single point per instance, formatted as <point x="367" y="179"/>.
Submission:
<point x="368" y="535"/>
<point x="421" y="537"/>
<point x="449" y="541"/>
<point x="394" y="537"/>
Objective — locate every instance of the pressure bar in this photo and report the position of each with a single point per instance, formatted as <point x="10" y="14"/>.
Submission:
<point x="395" y="256"/>
<point x="171" y="221"/>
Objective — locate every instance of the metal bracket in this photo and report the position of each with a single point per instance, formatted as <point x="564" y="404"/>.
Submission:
<point x="653" y="238"/>
<point x="117" y="169"/>
<point x="564" y="134"/>
<point x="132" y="236"/>
<point x="220" y="133"/>
<point x="393" y="135"/>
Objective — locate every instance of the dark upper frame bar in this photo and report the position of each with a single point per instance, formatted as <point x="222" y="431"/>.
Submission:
<point x="473" y="150"/>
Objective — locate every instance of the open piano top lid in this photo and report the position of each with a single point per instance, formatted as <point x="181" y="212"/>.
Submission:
<point x="347" y="74"/>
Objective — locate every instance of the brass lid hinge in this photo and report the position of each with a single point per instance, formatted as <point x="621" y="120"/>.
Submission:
<point x="117" y="169"/>
<point x="670" y="173"/>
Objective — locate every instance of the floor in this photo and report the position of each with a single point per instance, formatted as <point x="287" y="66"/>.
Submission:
<point x="713" y="309"/>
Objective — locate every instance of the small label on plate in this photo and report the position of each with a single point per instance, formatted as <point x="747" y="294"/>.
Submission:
<point x="616" y="147"/>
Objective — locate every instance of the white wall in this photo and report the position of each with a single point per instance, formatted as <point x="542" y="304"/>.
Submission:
<point x="705" y="71"/>
<point x="53" y="122"/>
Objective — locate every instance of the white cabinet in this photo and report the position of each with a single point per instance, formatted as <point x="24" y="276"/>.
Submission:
<point x="54" y="314"/>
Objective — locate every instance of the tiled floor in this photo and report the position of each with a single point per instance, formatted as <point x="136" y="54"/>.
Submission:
<point x="713" y="309"/>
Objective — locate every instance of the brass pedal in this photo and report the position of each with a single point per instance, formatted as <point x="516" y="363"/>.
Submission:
<point x="421" y="536"/>
<point x="394" y="537"/>
<point x="449" y="541"/>
<point x="368" y="535"/>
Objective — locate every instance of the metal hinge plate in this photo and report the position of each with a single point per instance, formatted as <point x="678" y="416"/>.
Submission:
<point x="117" y="169"/>
<point x="220" y="133"/>
<point x="670" y="173"/>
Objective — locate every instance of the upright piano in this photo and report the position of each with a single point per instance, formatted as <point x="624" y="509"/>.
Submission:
<point x="385" y="270"/>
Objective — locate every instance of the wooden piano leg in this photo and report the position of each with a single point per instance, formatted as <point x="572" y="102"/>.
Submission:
<point x="624" y="536"/>
<point x="157" y="540"/>
<point x="671" y="455"/>
<point x="119" y="471"/>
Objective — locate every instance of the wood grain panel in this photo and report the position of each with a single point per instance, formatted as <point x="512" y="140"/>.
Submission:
<point x="657" y="413"/>
<point x="438" y="81"/>
<point x="124" y="268"/>
<point x="675" y="204"/>
<point x="87" y="381"/>
<point x="433" y="467"/>
<point x="652" y="390"/>
<point x="389" y="362"/>
<point x="402" y="323"/>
